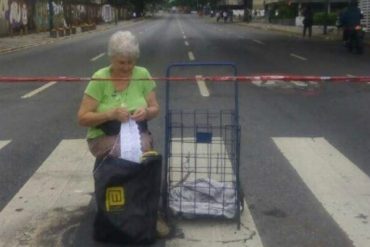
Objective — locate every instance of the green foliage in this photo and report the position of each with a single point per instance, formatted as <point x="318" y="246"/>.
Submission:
<point x="285" y="11"/>
<point x="320" y="18"/>
<point x="192" y="3"/>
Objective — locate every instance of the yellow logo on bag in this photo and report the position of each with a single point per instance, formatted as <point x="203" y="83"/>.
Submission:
<point x="114" y="198"/>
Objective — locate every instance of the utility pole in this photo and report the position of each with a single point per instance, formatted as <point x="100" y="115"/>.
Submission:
<point x="51" y="15"/>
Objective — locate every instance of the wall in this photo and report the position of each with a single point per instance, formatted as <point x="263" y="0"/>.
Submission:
<point x="33" y="15"/>
<point x="365" y="7"/>
<point x="14" y="16"/>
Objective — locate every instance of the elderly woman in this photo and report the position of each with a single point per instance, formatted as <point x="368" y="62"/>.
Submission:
<point x="107" y="103"/>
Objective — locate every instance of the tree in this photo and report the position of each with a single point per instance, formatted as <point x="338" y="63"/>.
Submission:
<point x="247" y="10"/>
<point x="139" y="5"/>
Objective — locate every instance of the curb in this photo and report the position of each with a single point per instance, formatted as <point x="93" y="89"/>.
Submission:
<point x="297" y="34"/>
<point x="287" y="32"/>
<point x="266" y="28"/>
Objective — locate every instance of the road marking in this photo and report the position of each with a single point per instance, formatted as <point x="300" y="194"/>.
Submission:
<point x="299" y="83"/>
<point x="184" y="36"/>
<point x="258" y="83"/>
<point x="314" y="83"/>
<point x="58" y="190"/>
<point x="191" y="56"/>
<point x="297" y="56"/>
<point x="258" y="41"/>
<point x="38" y="90"/>
<point x="97" y="57"/>
<point x="268" y="83"/>
<point x="186" y="43"/>
<point x="340" y="186"/>
<point x="180" y="26"/>
<point x="202" y="86"/>
<point x="205" y="232"/>
<point x="354" y="76"/>
<point x="4" y="143"/>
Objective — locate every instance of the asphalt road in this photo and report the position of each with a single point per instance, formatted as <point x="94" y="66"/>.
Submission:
<point x="283" y="204"/>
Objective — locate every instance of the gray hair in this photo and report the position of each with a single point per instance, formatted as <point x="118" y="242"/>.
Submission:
<point x="123" y="43"/>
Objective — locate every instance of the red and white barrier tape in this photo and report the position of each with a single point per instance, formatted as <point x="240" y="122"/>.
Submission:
<point x="360" y="79"/>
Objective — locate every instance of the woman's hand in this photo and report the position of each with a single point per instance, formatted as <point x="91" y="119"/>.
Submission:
<point x="140" y="114"/>
<point x="121" y="114"/>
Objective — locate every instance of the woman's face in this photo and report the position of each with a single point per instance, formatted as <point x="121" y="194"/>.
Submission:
<point x="122" y="64"/>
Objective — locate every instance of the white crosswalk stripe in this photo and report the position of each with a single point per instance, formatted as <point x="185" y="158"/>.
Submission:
<point x="62" y="183"/>
<point x="341" y="187"/>
<point x="208" y="233"/>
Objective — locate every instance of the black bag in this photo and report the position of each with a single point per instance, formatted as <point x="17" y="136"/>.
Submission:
<point x="127" y="197"/>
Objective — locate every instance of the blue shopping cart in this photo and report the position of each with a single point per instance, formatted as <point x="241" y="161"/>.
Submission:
<point x="202" y="145"/>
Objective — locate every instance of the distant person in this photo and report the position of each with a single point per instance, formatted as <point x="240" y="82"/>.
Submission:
<point x="307" y="21"/>
<point x="350" y="18"/>
<point x="24" y="19"/>
<point x="218" y="16"/>
<point x="270" y="15"/>
<point x="224" y="15"/>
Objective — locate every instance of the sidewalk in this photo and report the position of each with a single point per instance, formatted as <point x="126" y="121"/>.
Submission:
<point x="317" y="31"/>
<point x="19" y="42"/>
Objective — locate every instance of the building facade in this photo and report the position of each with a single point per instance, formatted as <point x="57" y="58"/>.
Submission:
<point x="18" y="16"/>
<point x="365" y="7"/>
<point x="333" y="6"/>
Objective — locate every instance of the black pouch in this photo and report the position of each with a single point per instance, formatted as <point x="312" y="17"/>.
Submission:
<point x="127" y="197"/>
<point x="110" y="128"/>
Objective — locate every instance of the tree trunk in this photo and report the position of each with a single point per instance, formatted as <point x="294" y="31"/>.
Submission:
<point x="139" y="7"/>
<point x="247" y="10"/>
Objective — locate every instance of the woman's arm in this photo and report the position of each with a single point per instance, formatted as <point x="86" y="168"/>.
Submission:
<point x="88" y="117"/>
<point x="153" y="106"/>
<point x="150" y="112"/>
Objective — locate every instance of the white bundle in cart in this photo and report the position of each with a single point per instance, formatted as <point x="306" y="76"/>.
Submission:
<point x="204" y="196"/>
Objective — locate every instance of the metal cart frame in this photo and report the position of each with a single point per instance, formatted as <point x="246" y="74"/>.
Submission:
<point x="235" y="122"/>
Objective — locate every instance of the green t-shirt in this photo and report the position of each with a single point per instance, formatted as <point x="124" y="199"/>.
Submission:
<point x="133" y="97"/>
